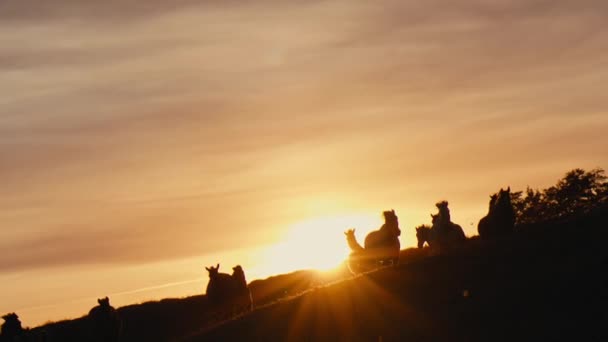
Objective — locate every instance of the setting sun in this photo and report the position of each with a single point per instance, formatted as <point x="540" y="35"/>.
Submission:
<point x="142" y="142"/>
<point x="317" y="243"/>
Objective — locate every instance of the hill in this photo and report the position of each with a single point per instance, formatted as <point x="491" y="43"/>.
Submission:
<point x="547" y="282"/>
<point x="173" y="318"/>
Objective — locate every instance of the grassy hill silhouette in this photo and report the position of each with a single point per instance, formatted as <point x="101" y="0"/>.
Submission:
<point x="548" y="282"/>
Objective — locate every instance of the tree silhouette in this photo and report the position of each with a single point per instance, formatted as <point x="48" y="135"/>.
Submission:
<point x="578" y="192"/>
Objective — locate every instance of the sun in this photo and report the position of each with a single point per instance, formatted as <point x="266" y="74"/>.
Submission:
<point x="317" y="243"/>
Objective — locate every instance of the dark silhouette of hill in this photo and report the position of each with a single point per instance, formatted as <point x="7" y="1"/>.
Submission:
<point x="171" y="319"/>
<point x="549" y="282"/>
<point x="546" y="282"/>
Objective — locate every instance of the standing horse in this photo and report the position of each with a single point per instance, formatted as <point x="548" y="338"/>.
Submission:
<point x="228" y="294"/>
<point x="381" y="247"/>
<point x="243" y="301"/>
<point x="11" y="329"/>
<point x="104" y="323"/>
<point x="500" y="219"/>
<point x="444" y="233"/>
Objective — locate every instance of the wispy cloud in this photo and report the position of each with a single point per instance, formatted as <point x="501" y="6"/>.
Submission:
<point x="124" y="121"/>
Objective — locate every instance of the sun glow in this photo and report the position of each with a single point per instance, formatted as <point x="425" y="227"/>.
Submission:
<point x="317" y="243"/>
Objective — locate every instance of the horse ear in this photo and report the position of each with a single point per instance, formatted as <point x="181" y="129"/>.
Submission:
<point x="208" y="269"/>
<point x="218" y="266"/>
<point x="509" y="189"/>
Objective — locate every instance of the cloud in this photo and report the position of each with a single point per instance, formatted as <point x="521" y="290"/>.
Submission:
<point x="196" y="115"/>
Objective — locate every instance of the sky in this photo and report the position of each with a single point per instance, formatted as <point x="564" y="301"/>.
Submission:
<point x="142" y="141"/>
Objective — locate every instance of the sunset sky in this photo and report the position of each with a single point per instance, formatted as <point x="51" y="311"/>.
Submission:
<point x="143" y="140"/>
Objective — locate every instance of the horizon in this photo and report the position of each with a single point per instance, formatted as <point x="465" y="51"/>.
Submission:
<point x="142" y="142"/>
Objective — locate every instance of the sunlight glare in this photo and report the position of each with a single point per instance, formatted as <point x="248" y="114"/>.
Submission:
<point x="317" y="243"/>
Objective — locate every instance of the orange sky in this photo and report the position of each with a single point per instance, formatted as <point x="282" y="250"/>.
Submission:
<point x="141" y="141"/>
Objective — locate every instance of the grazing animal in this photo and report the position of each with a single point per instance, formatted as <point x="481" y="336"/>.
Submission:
<point x="104" y="323"/>
<point x="443" y="233"/>
<point x="500" y="220"/>
<point x="227" y="291"/>
<point x="11" y="328"/>
<point x="381" y="247"/>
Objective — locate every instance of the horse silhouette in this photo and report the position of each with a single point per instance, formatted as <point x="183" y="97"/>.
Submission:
<point x="500" y="220"/>
<point x="11" y="328"/>
<point x="228" y="292"/>
<point x="242" y="295"/>
<point x="424" y="233"/>
<point x="104" y="323"/>
<point x="381" y="247"/>
<point x="443" y="233"/>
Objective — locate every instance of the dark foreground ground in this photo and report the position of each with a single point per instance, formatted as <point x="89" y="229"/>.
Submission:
<point x="548" y="282"/>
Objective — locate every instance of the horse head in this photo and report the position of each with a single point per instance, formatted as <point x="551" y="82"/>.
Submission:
<point x="391" y="222"/>
<point x="350" y="233"/>
<point x="238" y="275"/>
<point x="444" y="211"/>
<point x="435" y="219"/>
<point x="213" y="271"/>
<point x="11" y="317"/>
<point x="422" y="235"/>
<point x="493" y="199"/>
<point x="503" y="199"/>
<point x="104" y="302"/>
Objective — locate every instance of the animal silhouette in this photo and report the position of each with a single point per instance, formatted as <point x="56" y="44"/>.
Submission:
<point x="443" y="233"/>
<point x="242" y="295"/>
<point x="104" y="323"/>
<point x="11" y="328"/>
<point x="228" y="293"/>
<point x="381" y="247"/>
<point x="219" y="288"/>
<point x="500" y="220"/>
<point x="424" y="233"/>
